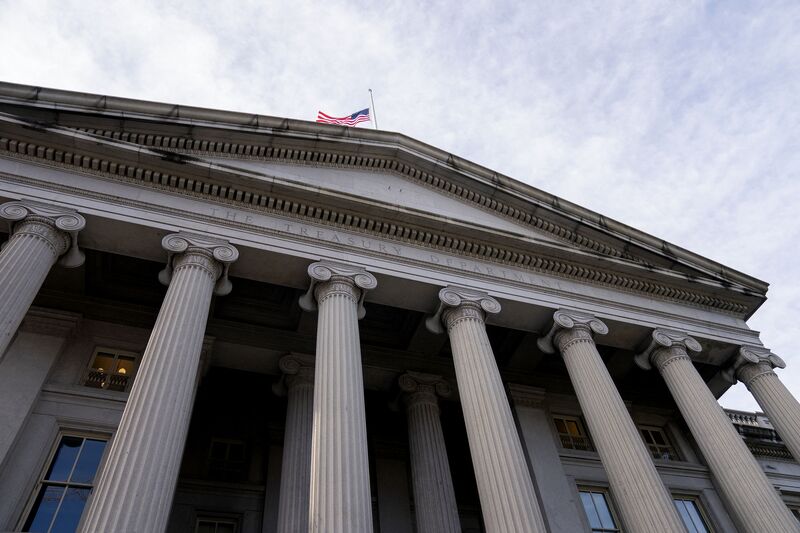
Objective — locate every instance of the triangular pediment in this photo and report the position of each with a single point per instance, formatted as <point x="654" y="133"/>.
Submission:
<point x="392" y="190"/>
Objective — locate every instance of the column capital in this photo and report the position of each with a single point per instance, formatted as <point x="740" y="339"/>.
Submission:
<point x="213" y="254"/>
<point x="464" y="301"/>
<point x="751" y="362"/>
<point x="327" y="276"/>
<point x="423" y="388"/>
<point x="665" y="345"/>
<point x="298" y="369"/>
<point x="578" y="322"/>
<point x="59" y="226"/>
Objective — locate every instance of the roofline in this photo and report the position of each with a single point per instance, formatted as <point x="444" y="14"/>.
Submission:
<point x="74" y="101"/>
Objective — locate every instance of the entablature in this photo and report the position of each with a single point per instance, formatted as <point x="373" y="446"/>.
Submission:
<point x="125" y="218"/>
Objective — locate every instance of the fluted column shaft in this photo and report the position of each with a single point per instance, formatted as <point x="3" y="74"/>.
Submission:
<point x="640" y="496"/>
<point x="340" y="497"/>
<point x="751" y="497"/>
<point x="508" y="500"/>
<point x="136" y="486"/>
<point x="778" y="403"/>
<point x="434" y="498"/>
<point x="296" y="464"/>
<point x="40" y="235"/>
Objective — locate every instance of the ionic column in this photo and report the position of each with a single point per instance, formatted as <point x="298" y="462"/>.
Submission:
<point x="340" y="494"/>
<point x="642" y="500"/>
<point x="296" y="463"/>
<point x="750" y="496"/>
<point x="753" y="367"/>
<point x="40" y="235"/>
<point x="135" y="488"/>
<point x="508" y="500"/>
<point x="434" y="497"/>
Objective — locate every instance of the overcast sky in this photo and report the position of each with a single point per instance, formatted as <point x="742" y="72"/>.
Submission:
<point x="678" y="118"/>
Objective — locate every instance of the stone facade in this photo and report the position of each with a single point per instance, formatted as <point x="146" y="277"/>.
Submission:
<point x="266" y="325"/>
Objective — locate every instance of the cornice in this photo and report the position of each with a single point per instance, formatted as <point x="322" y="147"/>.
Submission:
<point x="307" y="211"/>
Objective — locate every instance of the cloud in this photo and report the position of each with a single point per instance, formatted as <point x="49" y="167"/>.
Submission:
<point x="679" y="119"/>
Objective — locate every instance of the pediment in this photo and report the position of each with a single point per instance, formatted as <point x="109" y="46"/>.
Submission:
<point x="392" y="190"/>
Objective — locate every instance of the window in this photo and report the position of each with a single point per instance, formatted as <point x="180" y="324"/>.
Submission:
<point x="112" y="370"/>
<point x="66" y="485"/>
<point x="689" y="510"/>
<point x="571" y="432"/>
<point x="216" y="525"/>
<point x="226" y="459"/>
<point x="657" y="443"/>
<point x="598" y="511"/>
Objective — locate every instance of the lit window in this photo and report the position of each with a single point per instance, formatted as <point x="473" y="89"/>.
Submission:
<point x="598" y="510"/>
<point x="226" y="459"/>
<point x="112" y="370"/>
<point x="216" y="525"/>
<point x="571" y="432"/>
<point x="66" y="485"/>
<point x="691" y="515"/>
<point x="657" y="443"/>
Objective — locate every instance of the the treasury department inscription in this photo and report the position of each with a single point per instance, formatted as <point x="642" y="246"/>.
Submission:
<point x="353" y="240"/>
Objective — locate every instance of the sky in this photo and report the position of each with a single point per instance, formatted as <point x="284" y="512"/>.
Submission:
<point x="678" y="118"/>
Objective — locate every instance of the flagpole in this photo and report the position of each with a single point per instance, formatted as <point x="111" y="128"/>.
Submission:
<point x="374" y="114"/>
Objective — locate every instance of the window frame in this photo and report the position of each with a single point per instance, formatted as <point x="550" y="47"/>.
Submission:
<point x="698" y="504"/>
<point x="47" y="463"/>
<point x="665" y="434"/>
<point x="210" y="516"/>
<point x="212" y="467"/>
<point x="581" y="426"/>
<point x="610" y="503"/>
<point x="117" y="353"/>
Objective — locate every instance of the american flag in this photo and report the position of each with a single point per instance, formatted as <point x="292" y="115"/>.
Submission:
<point x="350" y="120"/>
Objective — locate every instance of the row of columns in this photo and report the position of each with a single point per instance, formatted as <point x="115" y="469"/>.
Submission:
<point x="143" y="461"/>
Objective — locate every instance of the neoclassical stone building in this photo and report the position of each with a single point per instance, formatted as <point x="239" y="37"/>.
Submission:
<point x="221" y="322"/>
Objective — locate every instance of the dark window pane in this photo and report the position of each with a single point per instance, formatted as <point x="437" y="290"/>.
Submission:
<point x="71" y="509"/>
<point x="658" y="437"/>
<point x="205" y="526"/>
<point x="236" y="452"/>
<point x="43" y="510"/>
<point x="219" y="450"/>
<point x="65" y="457"/>
<point x="88" y="461"/>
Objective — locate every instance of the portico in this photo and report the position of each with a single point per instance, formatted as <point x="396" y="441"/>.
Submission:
<point x="345" y="283"/>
